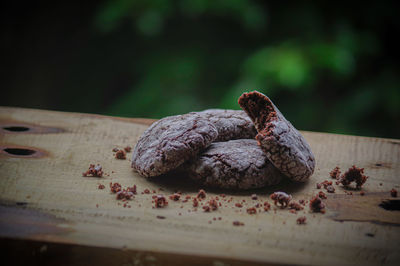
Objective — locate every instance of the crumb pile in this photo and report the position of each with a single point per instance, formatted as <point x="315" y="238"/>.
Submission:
<point x="354" y="174"/>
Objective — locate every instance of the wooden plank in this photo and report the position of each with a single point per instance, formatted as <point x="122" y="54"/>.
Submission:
<point x="44" y="198"/>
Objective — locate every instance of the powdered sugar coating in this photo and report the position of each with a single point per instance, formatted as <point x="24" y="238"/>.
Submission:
<point x="284" y="146"/>
<point x="234" y="164"/>
<point x="230" y="124"/>
<point x="170" y="141"/>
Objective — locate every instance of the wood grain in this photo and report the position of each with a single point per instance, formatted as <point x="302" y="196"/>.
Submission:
<point x="45" y="199"/>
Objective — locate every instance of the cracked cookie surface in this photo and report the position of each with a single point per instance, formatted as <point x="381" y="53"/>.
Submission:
<point x="230" y="124"/>
<point x="282" y="143"/>
<point x="170" y="141"/>
<point x="234" y="164"/>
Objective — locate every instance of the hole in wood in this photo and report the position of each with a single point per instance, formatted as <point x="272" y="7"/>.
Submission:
<point x="390" y="205"/>
<point x="16" y="128"/>
<point x="19" y="152"/>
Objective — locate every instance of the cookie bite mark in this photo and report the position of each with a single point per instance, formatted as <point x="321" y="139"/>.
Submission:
<point x="284" y="146"/>
<point x="259" y="108"/>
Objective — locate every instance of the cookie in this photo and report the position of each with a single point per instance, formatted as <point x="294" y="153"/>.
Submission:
<point x="284" y="146"/>
<point x="234" y="164"/>
<point x="170" y="141"/>
<point x="230" y="124"/>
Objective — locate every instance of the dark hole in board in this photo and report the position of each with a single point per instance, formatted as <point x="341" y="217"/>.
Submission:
<point x="20" y="152"/>
<point x="370" y="234"/>
<point x="16" y="128"/>
<point x="21" y="203"/>
<point x="378" y="164"/>
<point x="390" y="205"/>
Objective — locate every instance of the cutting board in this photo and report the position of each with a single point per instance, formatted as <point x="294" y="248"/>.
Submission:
<point x="50" y="213"/>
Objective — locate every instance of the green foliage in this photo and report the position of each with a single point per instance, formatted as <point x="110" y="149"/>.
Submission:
<point x="329" y="67"/>
<point x="209" y="52"/>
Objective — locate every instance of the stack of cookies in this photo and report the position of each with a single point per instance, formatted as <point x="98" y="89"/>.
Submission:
<point x="231" y="149"/>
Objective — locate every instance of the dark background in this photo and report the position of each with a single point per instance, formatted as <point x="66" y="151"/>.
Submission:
<point x="328" y="66"/>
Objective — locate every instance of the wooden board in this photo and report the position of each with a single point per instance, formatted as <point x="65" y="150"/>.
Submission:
<point x="44" y="199"/>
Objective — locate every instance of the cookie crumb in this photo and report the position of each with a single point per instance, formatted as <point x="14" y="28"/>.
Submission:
<point x="101" y="186"/>
<point x="254" y="197"/>
<point x="393" y="193"/>
<point x="121" y="154"/>
<point x="326" y="183"/>
<point x="175" y="196"/>
<point x="322" y="195"/>
<point x="128" y="148"/>
<point x="316" y="204"/>
<point x="335" y="173"/>
<point x="330" y="189"/>
<point x="115" y="149"/>
<point x="354" y="174"/>
<point x="195" y="202"/>
<point x="132" y="189"/>
<point x="282" y="198"/>
<point x="202" y="194"/>
<point x="251" y="210"/>
<point x="239" y="205"/>
<point x="362" y="193"/>
<point x="115" y="188"/>
<point x="295" y="206"/>
<point x="237" y="223"/>
<point x="301" y="220"/>
<point x="160" y="201"/>
<point x="267" y="206"/>
<point x="123" y="194"/>
<point x="94" y="171"/>
<point x="206" y="208"/>
<point x="212" y="205"/>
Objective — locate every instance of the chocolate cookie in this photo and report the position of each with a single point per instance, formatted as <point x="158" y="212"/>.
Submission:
<point x="234" y="164"/>
<point x="230" y="124"/>
<point x="284" y="146"/>
<point x="169" y="142"/>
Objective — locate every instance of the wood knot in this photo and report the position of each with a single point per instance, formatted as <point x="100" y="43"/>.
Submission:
<point x="22" y="151"/>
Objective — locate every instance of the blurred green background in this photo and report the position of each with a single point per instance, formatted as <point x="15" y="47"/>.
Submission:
<point x="329" y="66"/>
